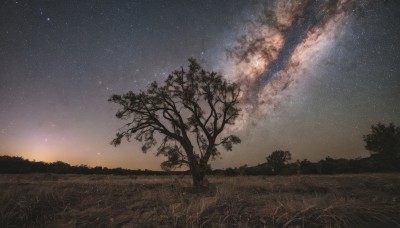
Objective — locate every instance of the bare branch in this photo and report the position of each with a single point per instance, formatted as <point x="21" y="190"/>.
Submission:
<point x="190" y="105"/>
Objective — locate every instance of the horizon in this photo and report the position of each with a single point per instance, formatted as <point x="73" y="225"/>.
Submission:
<point x="178" y="169"/>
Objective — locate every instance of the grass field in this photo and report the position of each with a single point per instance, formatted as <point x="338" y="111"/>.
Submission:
<point x="48" y="200"/>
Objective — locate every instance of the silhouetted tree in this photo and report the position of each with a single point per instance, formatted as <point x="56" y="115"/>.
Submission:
<point x="290" y="168"/>
<point x="231" y="172"/>
<point x="260" y="169"/>
<point x="307" y="167"/>
<point x="190" y="109"/>
<point x="327" y="166"/>
<point x="384" y="144"/>
<point x="60" y="167"/>
<point x="97" y="170"/>
<point x="278" y="159"/>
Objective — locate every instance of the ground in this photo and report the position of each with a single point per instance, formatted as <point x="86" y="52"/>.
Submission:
<point x="49" y="200"/>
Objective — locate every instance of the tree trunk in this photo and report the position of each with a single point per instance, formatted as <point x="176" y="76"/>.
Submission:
<point x="195" y="167"/>
<point x="197" y="173"/>
<point x="198" y="177"/>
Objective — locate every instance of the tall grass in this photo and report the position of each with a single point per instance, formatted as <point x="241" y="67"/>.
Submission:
<point x="114" y="201"/>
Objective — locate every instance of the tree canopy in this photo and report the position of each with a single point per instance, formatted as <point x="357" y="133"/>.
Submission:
<point x="383" y="142"/>
<point x="277" y="159"/>
<point x="186" y="115"/>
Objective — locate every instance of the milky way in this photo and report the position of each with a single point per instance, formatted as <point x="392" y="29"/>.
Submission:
<point x="315" y="74"/>
<point x="286" y="38"/>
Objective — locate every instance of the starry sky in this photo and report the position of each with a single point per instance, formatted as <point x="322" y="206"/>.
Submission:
<point x="315" y="74"/>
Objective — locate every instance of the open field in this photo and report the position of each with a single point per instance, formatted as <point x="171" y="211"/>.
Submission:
<point x="47" y="200"/>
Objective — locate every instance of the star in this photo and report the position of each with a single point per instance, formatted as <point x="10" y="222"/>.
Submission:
<point x="330" y="79"/>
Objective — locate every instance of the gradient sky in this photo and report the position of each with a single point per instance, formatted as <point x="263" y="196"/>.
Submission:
<point x="314" y="84"/>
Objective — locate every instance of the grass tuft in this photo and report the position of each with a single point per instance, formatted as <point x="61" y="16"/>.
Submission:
<point x="102" y="201"/>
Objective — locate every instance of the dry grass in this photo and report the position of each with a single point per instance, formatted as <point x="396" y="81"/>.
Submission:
<point x="42" y="200"/>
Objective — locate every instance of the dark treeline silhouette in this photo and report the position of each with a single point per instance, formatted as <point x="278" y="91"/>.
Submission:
<point x="383" y="142"/>
<point x="10" y="164"/>
<point x="324" y="166"/>
<point x="18" y="165"/>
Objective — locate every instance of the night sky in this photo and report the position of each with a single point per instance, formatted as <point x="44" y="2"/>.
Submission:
<point x="315" y="74"/>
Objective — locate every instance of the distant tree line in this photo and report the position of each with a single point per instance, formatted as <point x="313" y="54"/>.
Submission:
<point x="10" y="164"/>
<point x="383" y="142"/>
<point x="19" y="165"/>
<point x="324" y="166"/>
